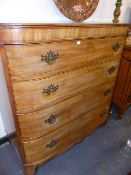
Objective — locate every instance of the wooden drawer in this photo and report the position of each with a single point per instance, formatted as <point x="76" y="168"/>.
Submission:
<point x="88" y="122"/>
<point x="42" y="122"/>
<point x="26" y="64"/>
<point x="46" y="147"/>
<point x="35" y="95"/>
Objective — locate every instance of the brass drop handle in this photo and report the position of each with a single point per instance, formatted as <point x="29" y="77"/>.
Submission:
<point x="112" y="69"/>
<point x="52" y="119"/>
<point x="102" y="114"/>
<point x="51" y="89"/>
<point x="50" y="57"/>
<point x="107" y="92"/>
<point x="116" y="46"/>
<point x="53" y="143"/>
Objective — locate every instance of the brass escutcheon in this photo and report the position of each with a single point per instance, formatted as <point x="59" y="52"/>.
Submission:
<point x="50" y="57"/>
<point x="53" y="143"/>
<point x="112" y="69"/>
<point x="52" y="119"/>
<point x="102" y="114"/>
<point x="116" y="46"/>
<point x="51" y="89"/>
<point x="107" y="92"/>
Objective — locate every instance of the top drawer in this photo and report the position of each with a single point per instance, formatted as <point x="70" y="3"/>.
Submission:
<point x="34" y="61"/>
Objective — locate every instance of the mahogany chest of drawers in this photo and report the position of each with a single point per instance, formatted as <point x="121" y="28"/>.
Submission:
<point x="122" y="92"/>
<point x="60" y="79"/>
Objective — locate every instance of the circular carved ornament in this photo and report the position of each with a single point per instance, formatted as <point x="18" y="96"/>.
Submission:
<point x="77" y="10"/>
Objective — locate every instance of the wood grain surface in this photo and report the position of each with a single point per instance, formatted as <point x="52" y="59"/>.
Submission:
<point x="34" y="124"/>
<point x="25" y="61"/>
<point x="38" y="150"/>
<point x="122" y="93"/>
<point x="29" y="95"/>
<point x="25" y="33"/>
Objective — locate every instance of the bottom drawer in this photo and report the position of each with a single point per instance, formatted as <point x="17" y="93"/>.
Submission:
<point x="42" y="149"/>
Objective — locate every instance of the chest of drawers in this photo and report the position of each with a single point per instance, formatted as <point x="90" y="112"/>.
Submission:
<point x="60" y="79"/>
<point x="122" y="92"/>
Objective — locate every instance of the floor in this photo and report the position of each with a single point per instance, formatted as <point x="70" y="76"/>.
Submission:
<point x="98" y="154"/>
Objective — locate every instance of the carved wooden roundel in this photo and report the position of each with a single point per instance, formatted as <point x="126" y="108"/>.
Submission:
<point x="77" y="10"/>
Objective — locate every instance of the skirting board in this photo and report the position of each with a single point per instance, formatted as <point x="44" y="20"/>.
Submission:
<point x="8" y="138"/>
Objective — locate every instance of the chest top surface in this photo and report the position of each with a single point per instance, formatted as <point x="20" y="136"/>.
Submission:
<point x="38" y="33"/>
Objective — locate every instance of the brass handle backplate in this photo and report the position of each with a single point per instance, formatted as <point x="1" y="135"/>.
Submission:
<point x="102" y="114"/>
<point x="50" y="57"/>
<point x="53" y="143"/>
<point x="107" y="92"/>
<point x="51" y="89"/>
<point x="52" y="119"/>
<point x="116" y="46"/>
<point x="112" y="69"/>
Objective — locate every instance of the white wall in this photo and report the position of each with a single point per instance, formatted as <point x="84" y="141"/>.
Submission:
<point x="46" y="10"/>
<point x="5" y="108"/>
<point x="2" y="128"/>
<point x="40" y="11"/>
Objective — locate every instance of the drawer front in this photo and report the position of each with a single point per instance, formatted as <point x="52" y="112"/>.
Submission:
<point x="35" y="61"/>
<point x="87" y="123"/>
<point x="46" y="147"/>
<point x="43" y="122"/>
<point x="35" y="95"/>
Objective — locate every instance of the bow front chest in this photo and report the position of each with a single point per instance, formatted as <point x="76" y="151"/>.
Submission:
<point x="60" y="79"/>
